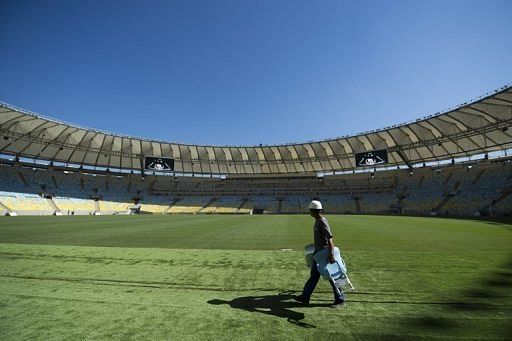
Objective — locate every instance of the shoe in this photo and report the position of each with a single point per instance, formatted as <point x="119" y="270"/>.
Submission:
<point x="300" y="299"/>
<point x="337" y="304"/>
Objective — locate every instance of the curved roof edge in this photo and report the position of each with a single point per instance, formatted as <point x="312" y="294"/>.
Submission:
<point x="377" y="130"/>
<point x="479" y="126"/>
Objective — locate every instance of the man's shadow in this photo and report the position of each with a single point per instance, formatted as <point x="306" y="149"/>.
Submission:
<point x="276" y="305"/>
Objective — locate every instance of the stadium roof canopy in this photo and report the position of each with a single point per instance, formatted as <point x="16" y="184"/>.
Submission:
<point x="476" y="127"/>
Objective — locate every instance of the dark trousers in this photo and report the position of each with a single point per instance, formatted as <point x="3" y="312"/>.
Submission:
<point x="311" y="283"/>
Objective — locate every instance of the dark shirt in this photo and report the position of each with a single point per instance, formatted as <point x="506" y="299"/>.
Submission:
<point x="322" y="234"/>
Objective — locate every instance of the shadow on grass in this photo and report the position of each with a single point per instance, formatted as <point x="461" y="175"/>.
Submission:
<point x="484" y="296"/>
<point x="279" y="305"/>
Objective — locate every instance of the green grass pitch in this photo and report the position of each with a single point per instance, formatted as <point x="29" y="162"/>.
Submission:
<point x="226" y="277"/>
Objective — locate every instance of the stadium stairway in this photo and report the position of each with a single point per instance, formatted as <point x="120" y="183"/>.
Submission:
<point x="448" y="179"/>
<point x="244" y="201"/>
<point x="55" y="182"/>
<point x="211" y="201"/>
<point x="280" y="206"/>
<point x="443" y="202"/>
<point x="5" y="208"/>
<point x="400" y="197"/>
<point x="503" y="195"/>
<point x="173" y="202"/>
<point x="447" y="196"/>
<point x="478" y="176"/>
<point x="22" y="177"/>
<point x="298" y="204"/>
<point x="358" y="205"/>
<point x="54" y="205"/>
<point x="421" y="181"/>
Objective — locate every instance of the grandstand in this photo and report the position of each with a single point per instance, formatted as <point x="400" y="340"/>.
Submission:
<point x="453" y="163"/>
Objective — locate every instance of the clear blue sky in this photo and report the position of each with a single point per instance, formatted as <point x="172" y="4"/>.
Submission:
<point x="250" y="71"/>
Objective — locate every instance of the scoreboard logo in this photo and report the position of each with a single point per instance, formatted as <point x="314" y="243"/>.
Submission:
<point x="373" y="158"/>
<point x="161" y="164"/>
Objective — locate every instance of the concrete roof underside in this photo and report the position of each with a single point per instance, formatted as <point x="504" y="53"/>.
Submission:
<point x="477" y="127"/>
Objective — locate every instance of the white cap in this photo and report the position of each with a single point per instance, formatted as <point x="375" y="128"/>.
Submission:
<point x="315" y="205"/>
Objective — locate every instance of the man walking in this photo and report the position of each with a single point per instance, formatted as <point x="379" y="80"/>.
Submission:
<point x="323" y="240"/>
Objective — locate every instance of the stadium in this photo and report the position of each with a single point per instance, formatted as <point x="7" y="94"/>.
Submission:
<point x="452" y="163"/>
<point x="148" y="190"/>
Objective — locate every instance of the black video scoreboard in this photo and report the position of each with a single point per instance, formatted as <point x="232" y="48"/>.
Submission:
<point x="159" y="164"/>
<point x="372" y="158"/>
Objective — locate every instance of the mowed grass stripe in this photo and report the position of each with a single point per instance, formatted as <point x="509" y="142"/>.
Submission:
<point x="256" y="232"/>
<point x="220" y="277"/>
<point x="388" y="310"/>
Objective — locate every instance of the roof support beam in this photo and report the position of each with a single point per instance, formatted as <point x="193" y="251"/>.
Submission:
<point x="404" y="158"/>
